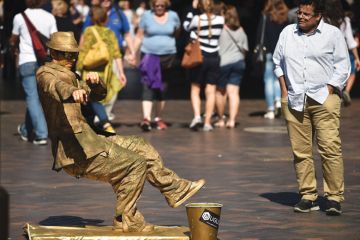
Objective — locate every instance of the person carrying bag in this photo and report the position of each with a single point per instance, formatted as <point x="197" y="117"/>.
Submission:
<point x="38" y="40"/>
<point x="192" y="54"/>
<point x="98" y="55"/>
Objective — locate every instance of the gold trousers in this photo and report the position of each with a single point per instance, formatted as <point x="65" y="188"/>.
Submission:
<point x="323" y="122"/>
<point x="130" y="161"/>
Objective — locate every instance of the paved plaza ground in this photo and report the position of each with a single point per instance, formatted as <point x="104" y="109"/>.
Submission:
<point x="248" y="169"/>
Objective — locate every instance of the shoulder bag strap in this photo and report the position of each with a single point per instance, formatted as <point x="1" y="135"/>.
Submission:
<point x="263" y="30"/>
<point x="233" y="39"/>
<point x="116" y="7"/>
<point x="97" y="36"/>
<point x="29" y="24"/>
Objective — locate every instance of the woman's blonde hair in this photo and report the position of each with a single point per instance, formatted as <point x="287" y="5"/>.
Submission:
<point x="232" y="17"/>
<point x="277" y="10"/>
<point x="166" y="2"/>
<point x="98" y="16"/>
<point x="207" y="6"/>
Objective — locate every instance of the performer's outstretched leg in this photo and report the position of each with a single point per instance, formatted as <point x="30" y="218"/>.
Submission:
<point x="126" y="172"/>
<point x="175" y="189"/>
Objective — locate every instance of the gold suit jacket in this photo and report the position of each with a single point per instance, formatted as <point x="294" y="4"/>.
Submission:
<point x="72" y="139"/>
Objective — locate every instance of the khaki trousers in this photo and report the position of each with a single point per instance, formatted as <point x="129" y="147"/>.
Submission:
<point x="130" y="161"/>
<point x="323" y="122"/>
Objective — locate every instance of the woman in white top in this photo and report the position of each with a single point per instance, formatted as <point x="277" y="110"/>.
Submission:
<point x="335" y="15"/>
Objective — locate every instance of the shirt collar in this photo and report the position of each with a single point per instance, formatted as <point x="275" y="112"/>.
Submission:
<point x="319" y="28"/>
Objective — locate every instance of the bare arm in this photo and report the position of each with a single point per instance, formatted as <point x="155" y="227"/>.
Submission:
<point x="120" y="68"/>
<point x="13" y="42"/>
<point x="283" y="87"/>
<point x="138" y="39"/>
<point x="357" y="60"/>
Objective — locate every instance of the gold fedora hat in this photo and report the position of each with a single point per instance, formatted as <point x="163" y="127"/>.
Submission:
<point x="63" y="41"/>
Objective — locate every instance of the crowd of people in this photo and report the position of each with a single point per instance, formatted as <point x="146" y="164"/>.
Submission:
<point x="308" y="67"/>
<point x="146" y="38"/>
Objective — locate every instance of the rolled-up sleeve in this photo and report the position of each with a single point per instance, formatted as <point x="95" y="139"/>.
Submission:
<point x="341" y="66"/>
<point x="278" y="56"/>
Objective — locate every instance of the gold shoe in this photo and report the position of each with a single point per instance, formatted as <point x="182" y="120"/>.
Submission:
<point x="194" y="187"/>
<point x="118" y="226"/>
<point x="109" y="129"/>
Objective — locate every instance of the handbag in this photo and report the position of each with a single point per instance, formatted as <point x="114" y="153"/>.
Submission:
<point x="98" y="55"/>
<point x="192" y="54"/>
<point x="38" y="40"/>
<point x="260" y="49"/>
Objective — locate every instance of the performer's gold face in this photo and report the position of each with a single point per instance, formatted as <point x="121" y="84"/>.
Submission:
<point x="65" y="59"/>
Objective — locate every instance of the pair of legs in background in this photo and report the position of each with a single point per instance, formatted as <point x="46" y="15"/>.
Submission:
<point x="272" y="89"/>
<point x="132" y="160"/>
<point x="323" y="122"/>
<point x="206" y="74"/>
<point x="35" y="123"/>
<point x="149" y="94"/>
<point x="228" y="87"/>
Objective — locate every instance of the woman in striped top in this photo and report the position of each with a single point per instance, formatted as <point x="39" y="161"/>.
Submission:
<point x="208" y="72"/>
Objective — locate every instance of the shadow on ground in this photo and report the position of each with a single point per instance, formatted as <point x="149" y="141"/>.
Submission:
<point x="290" y="199"/>
<point x="70" y="221"/>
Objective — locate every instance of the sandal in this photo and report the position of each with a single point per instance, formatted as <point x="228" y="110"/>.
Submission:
<point x="220" y="124"/>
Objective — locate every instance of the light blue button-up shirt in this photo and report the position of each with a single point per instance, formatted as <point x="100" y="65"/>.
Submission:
<point x="310" y="62"/>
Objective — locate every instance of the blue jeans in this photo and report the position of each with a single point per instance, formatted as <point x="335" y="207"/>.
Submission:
<point x="272" y="85"/>
<point x="34" y="118"/>
<point x="99" y="110"/>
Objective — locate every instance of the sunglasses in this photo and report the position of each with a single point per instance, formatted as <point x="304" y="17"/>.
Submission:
<point x="159" y="6"/>
<point x="69" y="55"/>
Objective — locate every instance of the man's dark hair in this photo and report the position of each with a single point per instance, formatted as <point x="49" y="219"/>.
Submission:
<point x="33" y="3"/>
<point x="319" y="5"/>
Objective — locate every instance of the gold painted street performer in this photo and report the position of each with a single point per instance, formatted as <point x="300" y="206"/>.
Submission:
<point x="123" y="161"/>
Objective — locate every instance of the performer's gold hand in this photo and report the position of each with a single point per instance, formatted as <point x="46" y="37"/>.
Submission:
<point x="92" y="78"/>
<point x="80" y="96"/>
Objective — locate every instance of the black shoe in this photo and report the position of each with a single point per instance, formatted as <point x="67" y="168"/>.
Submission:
<point x="333" y="208"/>
<point x="145" y="125"/>
<point x="305" y="206"/>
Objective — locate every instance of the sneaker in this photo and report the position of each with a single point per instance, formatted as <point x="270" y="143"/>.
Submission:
<point x="160" y="124"/>
<point x="109" y="129"/>
<point x="194" y="188"/>
<point x="269" y="115"/>
<point x="346" y="98"/>
<point x="207" y="128"/>
<point x="40" y="141"/>
<point x="333" y="208"/>
<point x="23" y="137"/>
<point x="195" y="123"/>
<point x="145" y="125"/>
<point x="305" y="206"/>
<point x="111" y="116"/>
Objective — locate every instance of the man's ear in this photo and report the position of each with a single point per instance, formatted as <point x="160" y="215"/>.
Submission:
<point x="318" y="17"/>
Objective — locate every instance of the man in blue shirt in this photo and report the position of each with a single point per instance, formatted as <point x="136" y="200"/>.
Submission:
<point x="312" y="64"/>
